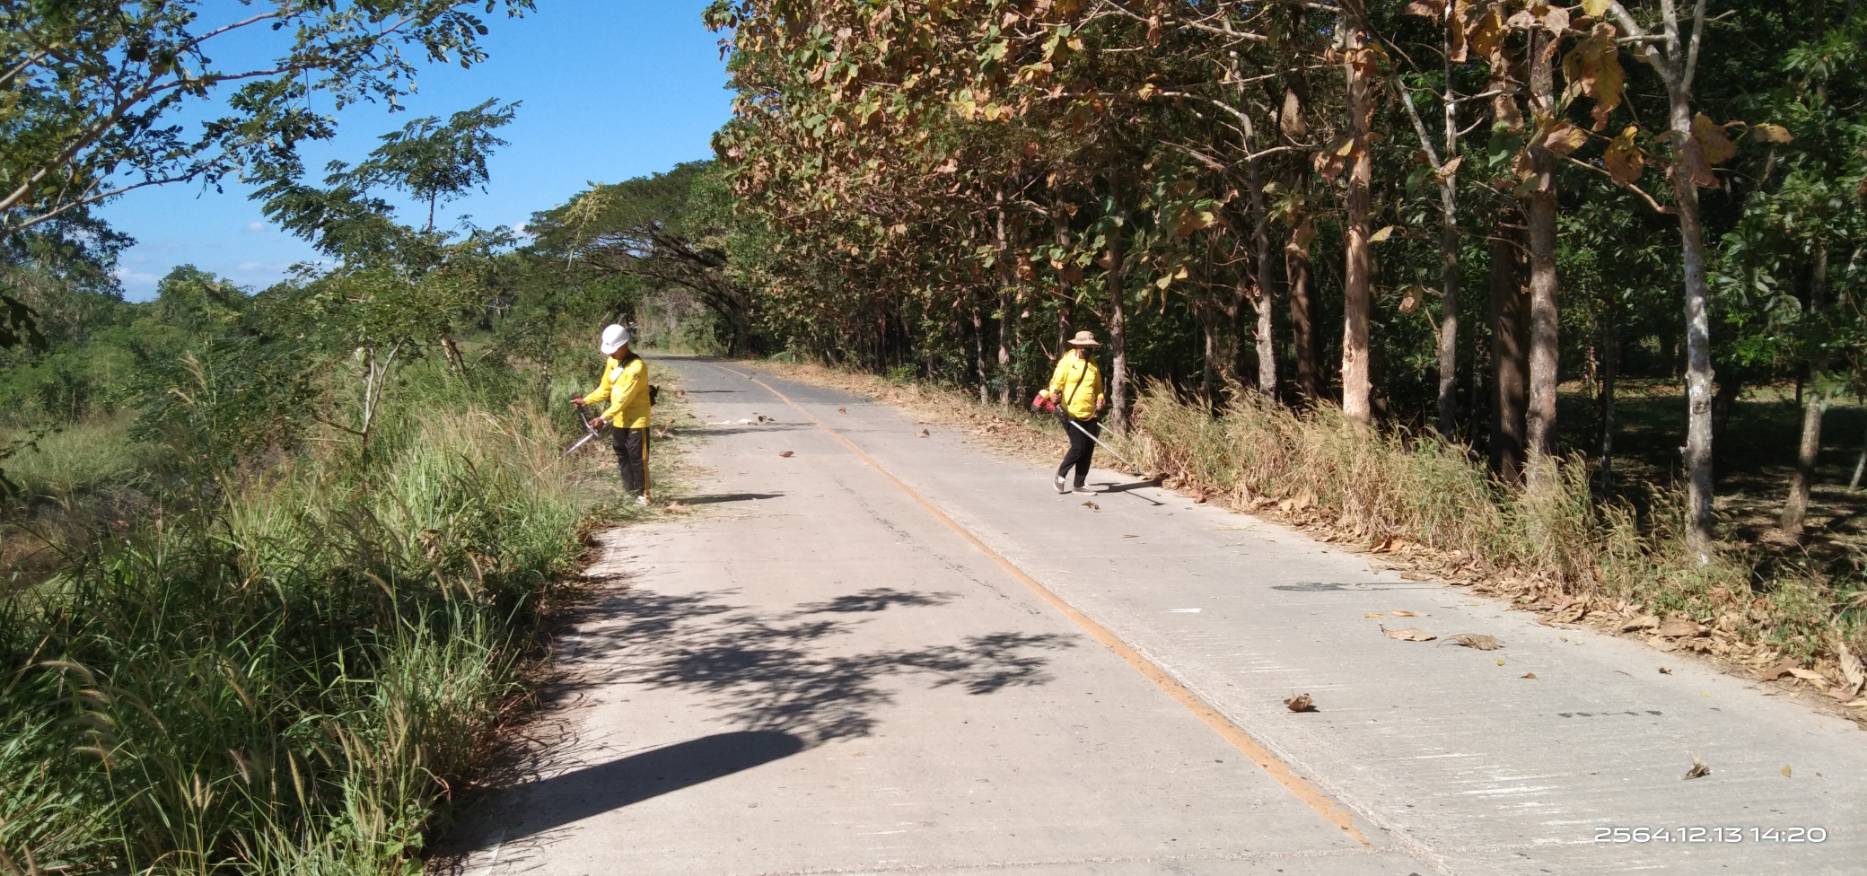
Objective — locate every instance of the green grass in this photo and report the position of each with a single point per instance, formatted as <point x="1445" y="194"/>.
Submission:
<point x="76" y="459"/>
<point x="291" y="677"/>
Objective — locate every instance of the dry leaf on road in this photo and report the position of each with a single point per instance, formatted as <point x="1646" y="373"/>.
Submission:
<point x="1091" y="505"/>
<point x="1478" y="641"/>
<point x="1401" y="612"/>
<point x="785" y="454"/>
<point x="1375" y="615"/>
<point x="1665" y="670"/>
<point x="926" y="434"/>
<point x="1529" y="675"/>
<point x="1409" y="634"/>
<point x="1698" y="770"/>
<point x="1299" y="703"/>
<point x="1786" y="771"/>
<point x="842" y="410"/>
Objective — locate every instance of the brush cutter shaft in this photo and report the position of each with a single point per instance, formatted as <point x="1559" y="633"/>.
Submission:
<point x="1098" y="441"/>
<point x="587" y="428"/>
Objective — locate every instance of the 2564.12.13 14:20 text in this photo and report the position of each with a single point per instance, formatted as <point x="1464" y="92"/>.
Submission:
<point x="1711" y="834"/>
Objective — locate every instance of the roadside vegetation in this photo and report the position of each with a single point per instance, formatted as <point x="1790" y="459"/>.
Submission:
<point x="273" y="562"/>
<point x="265" y="600"/>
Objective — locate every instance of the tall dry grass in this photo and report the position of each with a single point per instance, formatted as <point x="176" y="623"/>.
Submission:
<point x="1553" y="542"/>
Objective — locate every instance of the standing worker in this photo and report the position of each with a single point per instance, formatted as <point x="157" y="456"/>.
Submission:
<point x="1075" y="392"/>
<point x="625" y="391"/>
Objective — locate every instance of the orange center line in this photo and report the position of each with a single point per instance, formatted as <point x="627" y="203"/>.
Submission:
<point x="1299" y="787"/>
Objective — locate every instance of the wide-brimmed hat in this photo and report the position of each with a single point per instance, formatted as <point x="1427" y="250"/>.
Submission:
<point x="615" y="337"/>
<point x="1085" y="339"/>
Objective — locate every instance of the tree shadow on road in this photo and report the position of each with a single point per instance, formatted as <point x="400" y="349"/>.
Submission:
<point x="775" y="670"/>
<point x="779" y="677"/>
<point x="874" y="599"/>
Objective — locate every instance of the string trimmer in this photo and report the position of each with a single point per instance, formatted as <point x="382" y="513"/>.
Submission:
<point x="1049" y="405"/>
<point x="592" y="433"/>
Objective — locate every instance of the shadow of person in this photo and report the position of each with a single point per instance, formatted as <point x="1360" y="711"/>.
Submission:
<point x="723" y="498"/>
<point x="553" y="802"/>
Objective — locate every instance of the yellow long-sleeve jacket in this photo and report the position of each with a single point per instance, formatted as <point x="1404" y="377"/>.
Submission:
<point x="1077" y="386"/>
<point x="625" y="390"/>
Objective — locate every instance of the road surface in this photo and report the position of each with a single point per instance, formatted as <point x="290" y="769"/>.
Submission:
<point x="867" y="651"/>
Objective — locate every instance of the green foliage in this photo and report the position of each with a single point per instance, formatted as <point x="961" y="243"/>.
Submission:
<point x="666" y="233"/>
<point x="94" y="89"/>
<point x="283" y="677"/>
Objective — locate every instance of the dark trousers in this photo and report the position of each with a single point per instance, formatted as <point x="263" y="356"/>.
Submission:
<point x="632" y="458"/>
<point x="1082" y="449"/>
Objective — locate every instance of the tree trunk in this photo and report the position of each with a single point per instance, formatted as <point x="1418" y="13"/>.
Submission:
<point x="978" y="356"/>
<point x="1066" y="296"/>
<point x="1209" y="337"/>
<point x="1004" y="348"/>
<point x="1509" y="356"/>
<point x="1540" y="208"/>
<point x="1358" y="286"/>
<point x="1610" y="370"/>
<point x="1258" y="290"/>
<point x="1860" y="468"/>
<point x="1303" y="310"/>
<point x="1448" y="402"/>
<point x="1698" y="458"/>
<point x="1118" y="327"/>
<point x="1262" y="295"/>
<point x="1809" y="449"/>
<point x="1007" y="317"/>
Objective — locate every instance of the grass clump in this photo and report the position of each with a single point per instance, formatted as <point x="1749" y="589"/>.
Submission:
<point x="291" y="671"/>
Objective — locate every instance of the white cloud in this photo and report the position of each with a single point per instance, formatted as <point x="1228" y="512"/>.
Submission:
<point x="256" y="227"/>
<point x="137" y="285"/>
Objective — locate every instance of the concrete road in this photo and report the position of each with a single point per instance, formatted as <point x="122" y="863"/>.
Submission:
<point x="887" y="652"/>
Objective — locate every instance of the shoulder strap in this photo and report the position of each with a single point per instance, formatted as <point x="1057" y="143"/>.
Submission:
<point x="1080" y="377"/>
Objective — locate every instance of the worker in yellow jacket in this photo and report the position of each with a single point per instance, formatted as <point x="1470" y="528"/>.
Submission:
<point x="624" y="394"/>
<point x="1075" y="392"/>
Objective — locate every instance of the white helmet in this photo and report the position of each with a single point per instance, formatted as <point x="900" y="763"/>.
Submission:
<point x="615" y="337"/>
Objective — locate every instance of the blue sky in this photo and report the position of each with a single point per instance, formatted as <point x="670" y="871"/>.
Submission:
<point x="611" y="89"/>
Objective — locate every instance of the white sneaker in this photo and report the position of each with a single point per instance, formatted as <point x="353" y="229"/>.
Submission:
<point x="642" y="501"/>
<point x="1063" y="486"/>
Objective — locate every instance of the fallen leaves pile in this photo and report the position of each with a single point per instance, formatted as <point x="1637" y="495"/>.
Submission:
<point x="1300" y="703"/>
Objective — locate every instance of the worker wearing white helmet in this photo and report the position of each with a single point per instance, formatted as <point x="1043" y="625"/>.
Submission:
<point x="625" y="393"/>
